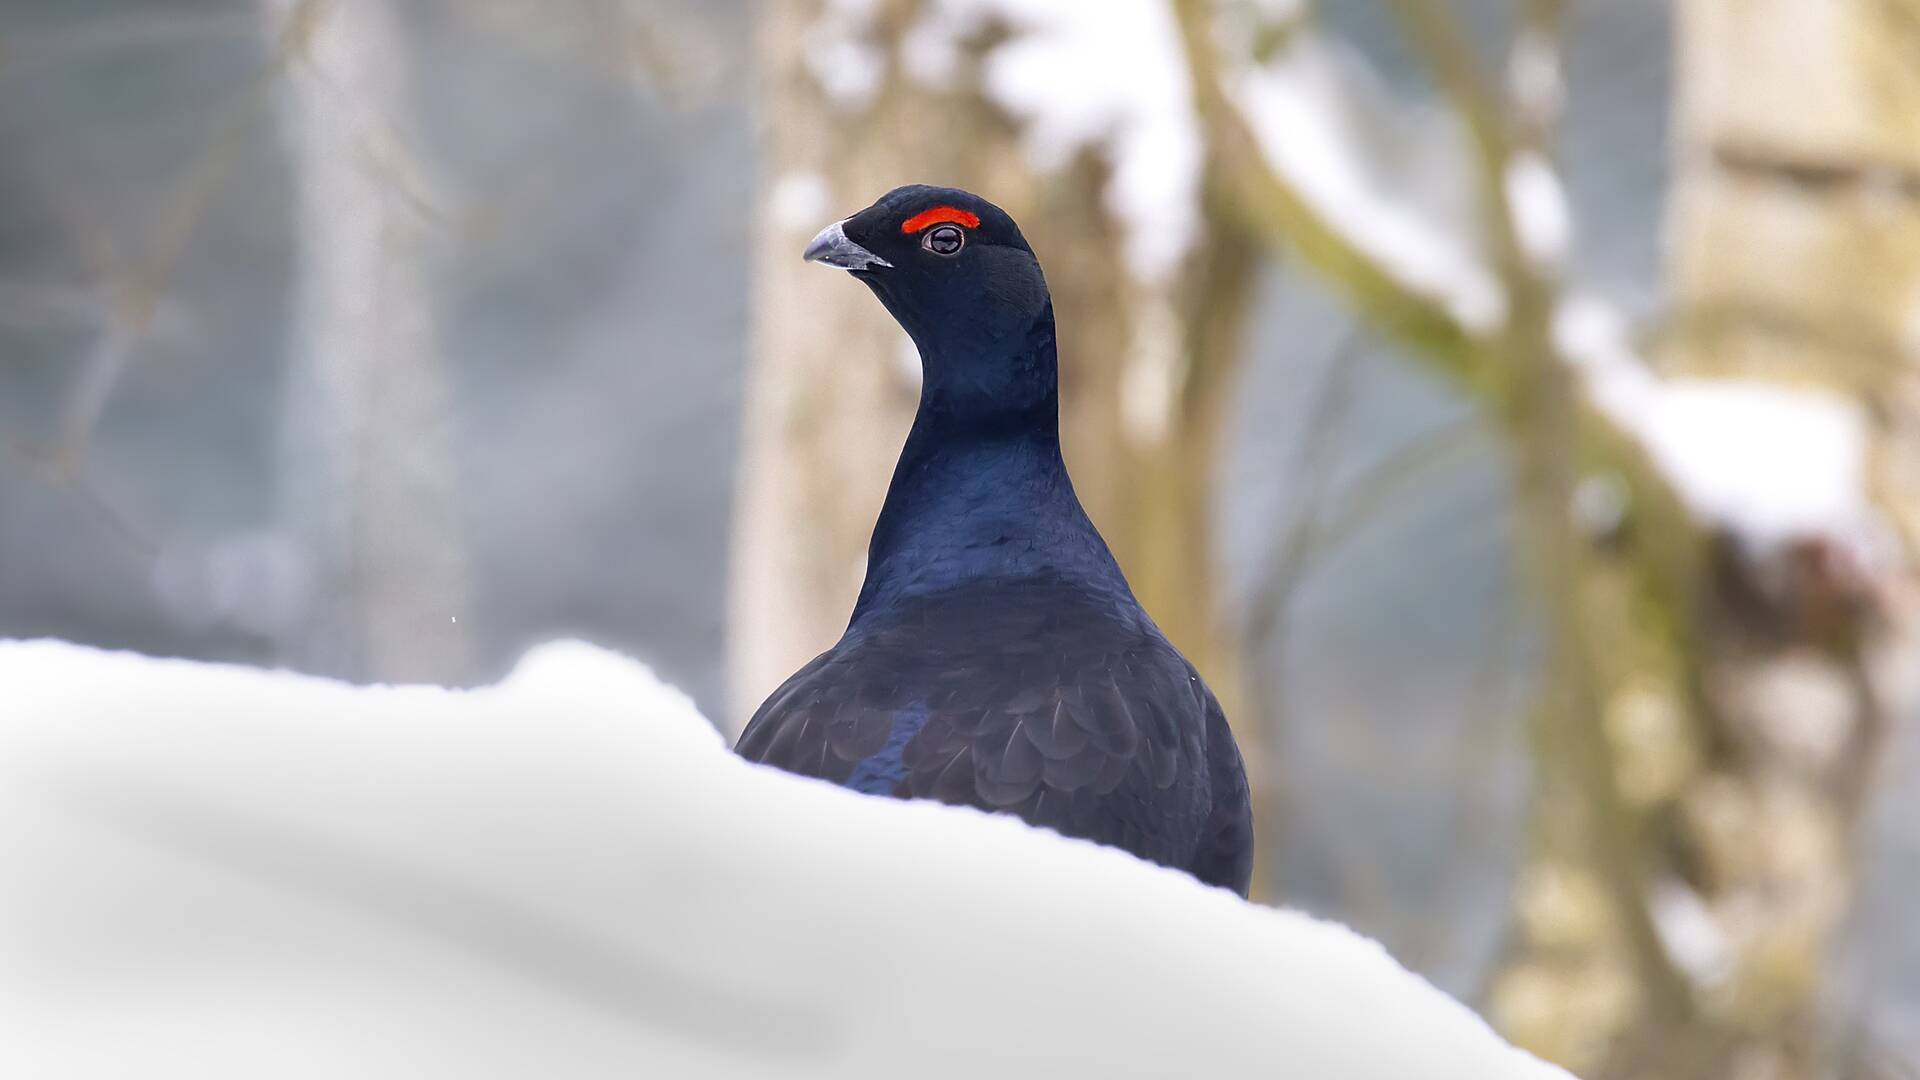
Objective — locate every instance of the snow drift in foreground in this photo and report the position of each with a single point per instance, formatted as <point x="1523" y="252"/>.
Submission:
<point x="217" y="871"/>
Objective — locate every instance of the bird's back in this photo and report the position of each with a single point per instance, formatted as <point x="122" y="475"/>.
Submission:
<point x="1040" y="696"/>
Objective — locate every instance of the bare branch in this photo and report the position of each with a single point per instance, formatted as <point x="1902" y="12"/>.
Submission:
<point x="1374" y="491"/>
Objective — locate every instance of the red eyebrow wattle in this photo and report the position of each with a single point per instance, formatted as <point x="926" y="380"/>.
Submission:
<point x="939" y="215"/>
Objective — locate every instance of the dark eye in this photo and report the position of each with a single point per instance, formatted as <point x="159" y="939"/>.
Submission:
<point x="944" y="240"/>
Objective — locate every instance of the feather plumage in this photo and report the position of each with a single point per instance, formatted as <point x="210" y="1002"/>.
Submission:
<point x="996" y="657"/>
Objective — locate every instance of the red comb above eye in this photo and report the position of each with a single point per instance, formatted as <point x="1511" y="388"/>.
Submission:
<point x="937" y="216"/>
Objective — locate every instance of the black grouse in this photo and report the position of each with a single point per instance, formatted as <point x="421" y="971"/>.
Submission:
<point x="996" y="657"/>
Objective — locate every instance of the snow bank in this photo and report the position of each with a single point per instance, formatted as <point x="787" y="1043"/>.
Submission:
<point x="218" y="871"/>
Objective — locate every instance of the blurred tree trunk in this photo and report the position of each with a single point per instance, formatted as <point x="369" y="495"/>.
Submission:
<point x="1794" y="235"/>
<point x="1738" y="694"/>
<point x="370" y="488"/>
<point x="834" y="382"/>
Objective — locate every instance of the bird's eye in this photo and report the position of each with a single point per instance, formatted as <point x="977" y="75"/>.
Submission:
<point x="944" y="240"/>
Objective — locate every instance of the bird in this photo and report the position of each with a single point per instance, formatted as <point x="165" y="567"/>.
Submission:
<point x="996" y="656"/>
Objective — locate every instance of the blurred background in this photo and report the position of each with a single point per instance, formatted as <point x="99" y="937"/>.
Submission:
<point x="1510" y="405"/>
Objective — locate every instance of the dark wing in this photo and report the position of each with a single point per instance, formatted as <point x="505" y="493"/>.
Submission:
<point x="1225" y="857"/>
<point x="1104" y="745"/>
<point x="830" y="716"/>
<point x="1040" y="704"/>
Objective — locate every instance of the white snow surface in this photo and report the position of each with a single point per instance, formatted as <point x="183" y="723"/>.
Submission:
<point x="218" y="871"/>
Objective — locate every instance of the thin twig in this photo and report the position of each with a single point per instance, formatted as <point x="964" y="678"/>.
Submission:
<point x="1468" y="815"/>
<point x="77" y="480"/>
<point x="87" y="400"/>
<point x="1368" y="495"/>
<point x="1272" y="600"/>
<point x="138" y="293"/>
<point x="1287" y="564"/>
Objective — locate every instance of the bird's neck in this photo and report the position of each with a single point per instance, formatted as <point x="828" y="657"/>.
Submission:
<point x="981" y="490"/>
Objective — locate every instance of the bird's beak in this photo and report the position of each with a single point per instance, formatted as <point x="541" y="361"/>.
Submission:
<point x="833" y="248"/>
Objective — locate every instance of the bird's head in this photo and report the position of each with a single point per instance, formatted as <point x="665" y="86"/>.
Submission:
<point x="950" y="266"/>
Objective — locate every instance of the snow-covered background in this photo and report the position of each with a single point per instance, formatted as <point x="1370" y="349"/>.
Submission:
<point x="217" y="871"/>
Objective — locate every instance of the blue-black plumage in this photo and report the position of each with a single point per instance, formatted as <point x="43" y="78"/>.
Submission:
<point x="996" y="656"/>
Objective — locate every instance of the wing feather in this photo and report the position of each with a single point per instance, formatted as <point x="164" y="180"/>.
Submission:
<point x="1038" y="703"/>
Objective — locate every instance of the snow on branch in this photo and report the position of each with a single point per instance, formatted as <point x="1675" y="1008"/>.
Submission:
<point x="219" y="871"/>
<point x="1301" y="108"/>
<point x="1767" y="463"/>
<point x="1770" y="463"/>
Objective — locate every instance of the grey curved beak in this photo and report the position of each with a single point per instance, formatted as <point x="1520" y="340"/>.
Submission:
<point x="834" y="249"/>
